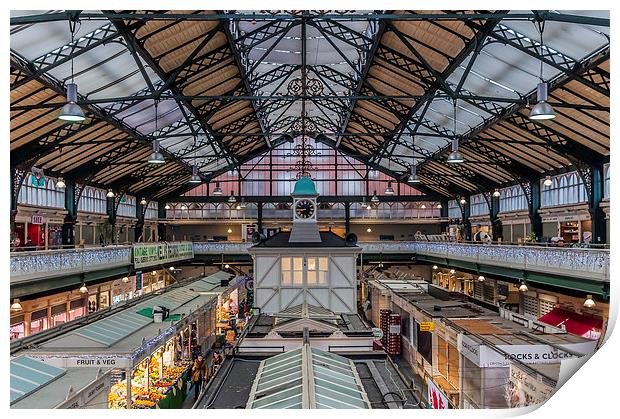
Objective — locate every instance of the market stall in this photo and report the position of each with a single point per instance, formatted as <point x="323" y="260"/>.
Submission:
<point x="148" y="361"/>
<point x="232" y="309"/>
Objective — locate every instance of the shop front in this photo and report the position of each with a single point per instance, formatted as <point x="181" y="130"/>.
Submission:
<point x="567" y="225"/>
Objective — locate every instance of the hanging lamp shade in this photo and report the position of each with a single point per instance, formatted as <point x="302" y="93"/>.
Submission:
<point x="423" y="206"/>
<point x="455" y="156"/>
<point x="231" y="198"/>
<point x="496" y="193"/>
<point x="542" y="110"/>
<point x="16" y="306"/>
<point x="143" y="201"/>
<point x="413" y="177"/>
<point x="71" y="111"/>
<point x="195" y="178"/>
<point x="463" y="201"/>
<point x="523" y="287"/>
<point x="167" y="207"/>
<point x="218" y="189"/>
<point x="439" y="205"/>
<point x="589" y="302"/>
<point x="83" y="288"/>
<point x="110" y="194"/>
<point x="548" y="182"/>
<point x="60" y="183"/>
<point x="156" y="156"/>
<point x="481" y="278"/>
<point x="374" y="198"/>
<point x="389" y="190"/>
<point x="241" y="204"/>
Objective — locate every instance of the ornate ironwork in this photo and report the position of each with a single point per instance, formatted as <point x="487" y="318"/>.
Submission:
<point x="303" y="151"/>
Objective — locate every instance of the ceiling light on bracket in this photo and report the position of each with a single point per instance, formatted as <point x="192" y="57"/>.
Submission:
<point x="110" y="194"/>
<point x="496" y="193"/>
<point x="143" y="201"/>
<point x="547" y="182"/>
<point x="60" y="183"/>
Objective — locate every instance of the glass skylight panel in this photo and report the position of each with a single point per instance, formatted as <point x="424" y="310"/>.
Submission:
<point x="28" y="375"/>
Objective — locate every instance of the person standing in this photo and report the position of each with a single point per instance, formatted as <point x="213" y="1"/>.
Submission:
<point x="198" y="373"/>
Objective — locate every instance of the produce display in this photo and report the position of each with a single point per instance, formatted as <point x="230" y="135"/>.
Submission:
<point x="158" y="387"/>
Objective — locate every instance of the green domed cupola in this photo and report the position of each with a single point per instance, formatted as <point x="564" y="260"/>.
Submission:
<point x="304" y="187"/>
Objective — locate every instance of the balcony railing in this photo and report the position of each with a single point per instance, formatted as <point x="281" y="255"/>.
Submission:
<point x="574" y="262"/>
<point x="44" y="264"/>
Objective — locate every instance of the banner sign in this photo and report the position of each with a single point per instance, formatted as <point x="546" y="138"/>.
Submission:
<point x="85" y="361"/>
<point x="159" y="253"/>
<point x="436" y="398"/>
<point x="427" y="326"/>
<point x="485" y="357"/>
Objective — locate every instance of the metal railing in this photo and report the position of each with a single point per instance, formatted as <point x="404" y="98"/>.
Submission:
<point x="573" y="262"/>
<point x="48" y="263"/>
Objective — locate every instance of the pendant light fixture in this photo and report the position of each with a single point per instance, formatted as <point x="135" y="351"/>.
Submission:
<point x="229" y="231"/>
<point x="16" y="306"/>
<point x="231" y="198"/>
<point x="455" y="156"/>
<point x="589" y="303"/>
<point x="439" y="205"/>
<point x="369" y="230"/>
<point x="542" y="111"/>
<point x="71" y="111"/>
<point x="523" y="287"/>
<point x="125" y="279"/>
<point x="60" y="183"/>
<point x="481" y="278"/>
<point x="227" y="266"/>
<point x="218" y="189"/>
<point x="171" y="269"/>
<point x="435" y="267"/>
<point x="413" y="177"/>
<point x="374" y="198"/>
<point x="183" y="207"/>
<point x="167" y="207"/>
<point x="83" y="288"/>
<point x="496" y="193"/>
<point x="423" y="206"/>
<point x="548" y="182"/>
<point x="154" y="273"/>
<point x="110" y="194"/>
<point x="156" y="156"/>
<point x="389" y="190"/>
<point x="195" y="178"/>
<point x="463" y="201"/>
<point x="143" y="201"/>
<point x="452" y="271"/>
<point x="241" y="204"/>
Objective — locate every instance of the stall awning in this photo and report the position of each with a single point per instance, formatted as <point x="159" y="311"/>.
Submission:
<point x="575" y="323"/>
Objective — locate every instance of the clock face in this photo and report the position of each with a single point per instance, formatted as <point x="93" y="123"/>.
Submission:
<point x="304" y="208"/>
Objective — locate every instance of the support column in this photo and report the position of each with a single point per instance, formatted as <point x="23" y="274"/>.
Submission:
<point x="259" y="217"/>
<point x="128" y="378"/>
<point x="443" y="214"/>
<point x="465" y="211"/>
<point x="139" y="229"/>
<point x="496" y="223"/>
<point x="597" y="215"/>
<point x="161" y="227"/>
<point x="347" y="218"/>
<point x="68" y="227"/>
<point x="534" y="208"/>
<point x="111" y="211"/>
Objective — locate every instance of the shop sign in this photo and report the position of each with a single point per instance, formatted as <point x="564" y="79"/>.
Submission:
<point x="485" y="357"/>
<point x="37" y="219"/>
<point x="377" y="333"/>
<point x="395" y="329"/>
<point x="158" y="253"/>
<point x="138" y="280"/>
<point x="427" y="326"/>
<point x="82" y="399"/>
<point x="436" y="398"/>
<point x="84" y="361"/>
<point x="526" y="390"/>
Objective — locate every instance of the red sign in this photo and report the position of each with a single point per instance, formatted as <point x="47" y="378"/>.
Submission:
<point x="436" y="398"/>
<point x="37" y="219"/>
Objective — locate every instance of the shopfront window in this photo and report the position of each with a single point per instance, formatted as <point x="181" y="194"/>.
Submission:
<point x="38" y="321"/>
<point x="77" y="308"/>
<point x="59" y="314"/>
<point x="18" y="327"/>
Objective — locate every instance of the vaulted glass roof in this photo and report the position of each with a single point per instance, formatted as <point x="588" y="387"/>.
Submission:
<point x="307" y="378"/>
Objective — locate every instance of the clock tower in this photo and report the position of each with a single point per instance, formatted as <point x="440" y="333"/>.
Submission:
<point x="305" y="227"/>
